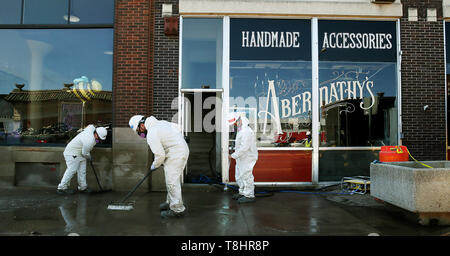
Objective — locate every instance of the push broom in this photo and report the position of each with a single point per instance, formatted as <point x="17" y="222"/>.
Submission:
<point x="98" y="182"/>
<point x="124" y="206"/>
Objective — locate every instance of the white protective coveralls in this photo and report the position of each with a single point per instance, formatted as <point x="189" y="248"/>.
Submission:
<point x="246" y="155"/>
<point x="169" y="148"/>
<point x="75" y="154"/>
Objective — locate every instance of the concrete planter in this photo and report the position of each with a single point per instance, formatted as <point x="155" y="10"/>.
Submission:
<point x="414" y="187"/>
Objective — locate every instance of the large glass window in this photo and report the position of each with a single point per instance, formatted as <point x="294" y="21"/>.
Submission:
<point x="56" y="12"/>
<point x="270" y="79"/>
<point x="54" y="82"/>
<point x="358" y="94"/>
<point x="358" y="83"/>
<point x="358" y="104"/>
<point x="202" y="53"/>
<point x="10" y="11"/>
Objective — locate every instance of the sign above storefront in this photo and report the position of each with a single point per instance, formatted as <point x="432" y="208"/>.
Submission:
<point x="252" y="39"/>
<point x="270" y="39"/>
<point x="361" y="41"/>
<point x="339" y="40"/>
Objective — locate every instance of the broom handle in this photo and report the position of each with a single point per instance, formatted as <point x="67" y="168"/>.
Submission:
<point x="95" y="173"/>
<point x="134" y="189"/>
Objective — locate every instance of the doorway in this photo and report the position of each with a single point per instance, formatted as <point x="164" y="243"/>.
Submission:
<point x="201" y="121"/>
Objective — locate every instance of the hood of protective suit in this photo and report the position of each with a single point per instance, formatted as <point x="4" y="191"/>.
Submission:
<point x="89" y="129"/>
<point x="150" y="121"/>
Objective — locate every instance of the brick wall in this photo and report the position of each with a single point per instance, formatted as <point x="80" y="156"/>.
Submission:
<point x="423" y="82"/>
<point x="132" y="60"/>
<point x="165" y="65"/>
<point x="145" y="61"/>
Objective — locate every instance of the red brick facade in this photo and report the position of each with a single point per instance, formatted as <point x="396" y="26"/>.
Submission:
<point x="133" y="62"/>
<point x="423" y="81"/>
<point x="145" y="61"/>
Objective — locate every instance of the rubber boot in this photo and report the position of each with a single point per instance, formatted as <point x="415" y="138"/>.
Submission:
<point x="171" y="214"/>
<point x="86" y="191"/>
<point x="244" y="199"/>
<point x="236" y="196"/>
<point x="65" y="191"/>
<point x="164" y="207"/>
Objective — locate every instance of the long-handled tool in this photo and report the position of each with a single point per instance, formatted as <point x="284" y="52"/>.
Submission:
<point x="98" y="182"/>
<point x="128" y="206"/>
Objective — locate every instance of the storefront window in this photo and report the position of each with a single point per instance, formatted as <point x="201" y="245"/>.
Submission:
<point x="358" y="83"/>
<point x="202" y="53"/>
<point x="336" y="164"/>
<point x="357" y="95"/>
<point x="54" y="82"/>
<point x="270" y="79"/>
<point x="358" y="104"/>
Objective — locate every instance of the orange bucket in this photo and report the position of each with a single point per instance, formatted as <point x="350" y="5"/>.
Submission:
<point x="394" y="154"/>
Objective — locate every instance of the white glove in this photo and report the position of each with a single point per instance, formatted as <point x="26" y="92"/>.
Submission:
<point x="88" y="157"/>
<point x="153" y="167"/>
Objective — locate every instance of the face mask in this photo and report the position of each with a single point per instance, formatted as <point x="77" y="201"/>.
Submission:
<point x="96" y="140"/>
<point x="143" y="134"/>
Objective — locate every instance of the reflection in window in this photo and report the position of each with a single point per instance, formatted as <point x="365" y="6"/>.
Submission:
<point x="10" y="11"/>
<point x="48" y="92"/>
<point x="56" y="12"/>
<point x="276" y="98"/>
<point x="335" y="164"/>
<point x="202" y="53"/>
<point x="92" y="12"/>
<point x="45" y="11"/>
<point x="358" y="104"/>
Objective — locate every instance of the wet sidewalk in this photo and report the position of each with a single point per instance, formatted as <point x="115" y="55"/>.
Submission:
<point x="210" y="212"/>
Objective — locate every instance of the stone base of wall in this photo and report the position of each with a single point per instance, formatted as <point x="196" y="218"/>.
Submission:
<point x="10" y="155"/>
<point x="118" y="168"/>
<point x="131" y="160"/>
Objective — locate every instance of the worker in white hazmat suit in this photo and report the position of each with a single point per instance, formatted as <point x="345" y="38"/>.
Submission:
<point x="76" y="153"/>
<point x="169" y="149"/>
<point x="246" y="155"/>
